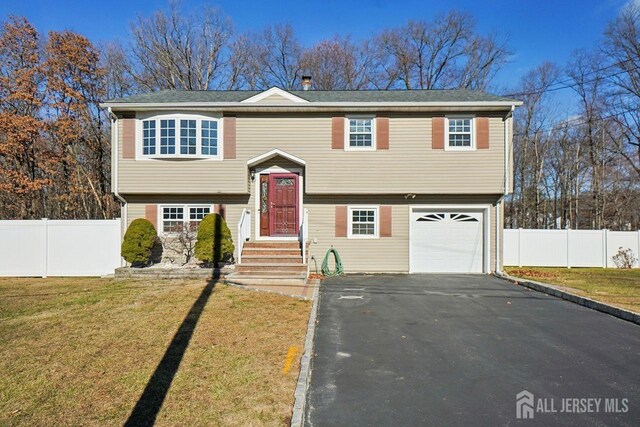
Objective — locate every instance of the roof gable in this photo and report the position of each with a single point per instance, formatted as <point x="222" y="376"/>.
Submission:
<point x="276" y="95"/>
<point x="274" y="153"/>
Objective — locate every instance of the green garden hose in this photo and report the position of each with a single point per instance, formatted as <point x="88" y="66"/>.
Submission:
<point x="325" y="264"/>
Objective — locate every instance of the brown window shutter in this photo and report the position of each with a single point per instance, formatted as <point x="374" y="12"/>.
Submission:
<point x="385" y="221"/>
<point x="151" y="215"/>
<point x="437" y="133"/>
<point x="341" y="221"/>
<point x="337" y="133"/>
<point x="128" y="138"/>
<point x="220" y="209"/>
<point x="482" y="132"/>
<point x="382" y="132"/>
<point x="229" y="135"/>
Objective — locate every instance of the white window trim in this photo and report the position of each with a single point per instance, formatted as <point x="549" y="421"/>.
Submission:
<point x="256" y="203"/>
<point x="376" y="227"/>
<point x="473" y="132"/>
<point x="185" y="215"/>
<point x="347" y="132"/>
<point x="177" y="117"/>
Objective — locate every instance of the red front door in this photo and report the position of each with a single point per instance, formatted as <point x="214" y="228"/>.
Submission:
<point x="283" y="204"/>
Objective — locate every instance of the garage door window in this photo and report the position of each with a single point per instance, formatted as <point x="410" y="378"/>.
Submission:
<point x="363" y="222"/>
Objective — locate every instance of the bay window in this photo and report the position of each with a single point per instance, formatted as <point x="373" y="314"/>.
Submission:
<point x="180" y="136"/>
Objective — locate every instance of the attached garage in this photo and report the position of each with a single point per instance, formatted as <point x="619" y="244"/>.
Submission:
<point x="450" y="240"/>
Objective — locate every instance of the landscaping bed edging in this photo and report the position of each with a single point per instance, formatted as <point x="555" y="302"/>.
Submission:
<point x="300" y="402"/>
<point x="555" y="291"/>
<point x="169" y="273"/>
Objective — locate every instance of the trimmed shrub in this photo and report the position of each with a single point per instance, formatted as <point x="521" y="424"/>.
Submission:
<point x="139" y="242"/>
<point x="214" y="242"/>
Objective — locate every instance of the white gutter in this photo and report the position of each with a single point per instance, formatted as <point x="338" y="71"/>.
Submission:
<point x="114" y="184"/>
<point x="114" y="155"/>
<point x="507" y="132"/>
<point x="302" y="106"/>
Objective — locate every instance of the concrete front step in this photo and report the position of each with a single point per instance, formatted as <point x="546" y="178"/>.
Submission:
<point x="271" y="259"/>
<point x="271" y="267"/>
<point x="271" y="251"/>
<point x="272" y="244"/>
<point x="251" y="278"/>
<point x="276" y="274"/>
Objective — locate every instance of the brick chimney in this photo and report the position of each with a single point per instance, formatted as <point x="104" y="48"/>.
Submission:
<point x="306" y="82"/>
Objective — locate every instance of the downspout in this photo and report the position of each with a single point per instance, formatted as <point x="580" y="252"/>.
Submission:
<point x="114" y="154"/>
<point x="114" y="165"/>
<point x="505" y="192"/>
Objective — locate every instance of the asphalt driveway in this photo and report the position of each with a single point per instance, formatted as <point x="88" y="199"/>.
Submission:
<point x="456" y="349"/>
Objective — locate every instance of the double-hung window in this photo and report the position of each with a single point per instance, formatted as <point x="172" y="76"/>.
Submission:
<point x="209" y="138"/>
<point x="188" y="137"/>
<point x="172" y="219"/>
<point x="168" y="136"/>
<point x="181" y="135"/>
<point x="149" y="137"/>
<point x="178" y="217"/>
<point x="460" y="133"/>
<point x="360" y="133"/>
<point x="363" y="222"/>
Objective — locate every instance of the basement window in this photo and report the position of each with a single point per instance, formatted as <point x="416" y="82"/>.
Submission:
<point x="175" y="218"/>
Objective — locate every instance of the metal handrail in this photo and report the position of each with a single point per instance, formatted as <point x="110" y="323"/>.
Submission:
<point x="304" y="233"/>
<point x="244" y="231"/>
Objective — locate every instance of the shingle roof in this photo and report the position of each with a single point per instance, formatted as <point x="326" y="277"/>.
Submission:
<point x="180" y="96"/>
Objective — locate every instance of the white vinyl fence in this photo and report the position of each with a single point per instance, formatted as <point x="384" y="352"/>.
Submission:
<point x="59" y="247"/>
<point x="567" y="248"/>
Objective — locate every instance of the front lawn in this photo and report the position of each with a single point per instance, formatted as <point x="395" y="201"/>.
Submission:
<point x="620" y="288"/>
<point x="83" y="351"/>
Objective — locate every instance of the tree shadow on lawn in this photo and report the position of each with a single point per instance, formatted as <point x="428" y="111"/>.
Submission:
<point x="150" y="402"/>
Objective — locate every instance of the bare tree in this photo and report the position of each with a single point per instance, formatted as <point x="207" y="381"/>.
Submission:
<point x="531" y="144"/>
<point x="175" y="50"/>
<point x="338" y="64"/>
<point x="442" y="54"/>
<point x="622" y="46"/>
<point x="279" y="57"/>
<point x="119" y="81"/>
<point x="587" y="79"/>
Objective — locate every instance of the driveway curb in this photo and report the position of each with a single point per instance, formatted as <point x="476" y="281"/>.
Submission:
<point x="583" y="301"/>
<point x="299" y="405"/>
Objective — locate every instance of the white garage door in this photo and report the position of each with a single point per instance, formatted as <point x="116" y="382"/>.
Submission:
<point x="446" y="241"/>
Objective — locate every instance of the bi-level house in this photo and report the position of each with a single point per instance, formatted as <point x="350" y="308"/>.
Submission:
<point x="395" y="181"/>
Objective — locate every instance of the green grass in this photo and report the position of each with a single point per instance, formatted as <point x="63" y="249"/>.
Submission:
<point x="620" y="288"/>
<point x="80" y="351"/>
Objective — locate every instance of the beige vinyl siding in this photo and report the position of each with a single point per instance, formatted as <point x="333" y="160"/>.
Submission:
<point x="382" y="255"/>
<point x="385" y="254"/>
<point x="408" y="166"/>
<point x="233" y="205"/>
<point x="179" y="176"/>
<point x="274" y="99"/>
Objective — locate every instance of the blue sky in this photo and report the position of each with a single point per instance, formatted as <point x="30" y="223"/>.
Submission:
<point x="538" y="30"/>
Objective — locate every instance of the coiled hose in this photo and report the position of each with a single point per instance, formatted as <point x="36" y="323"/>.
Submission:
<point x="325" y="264"/>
